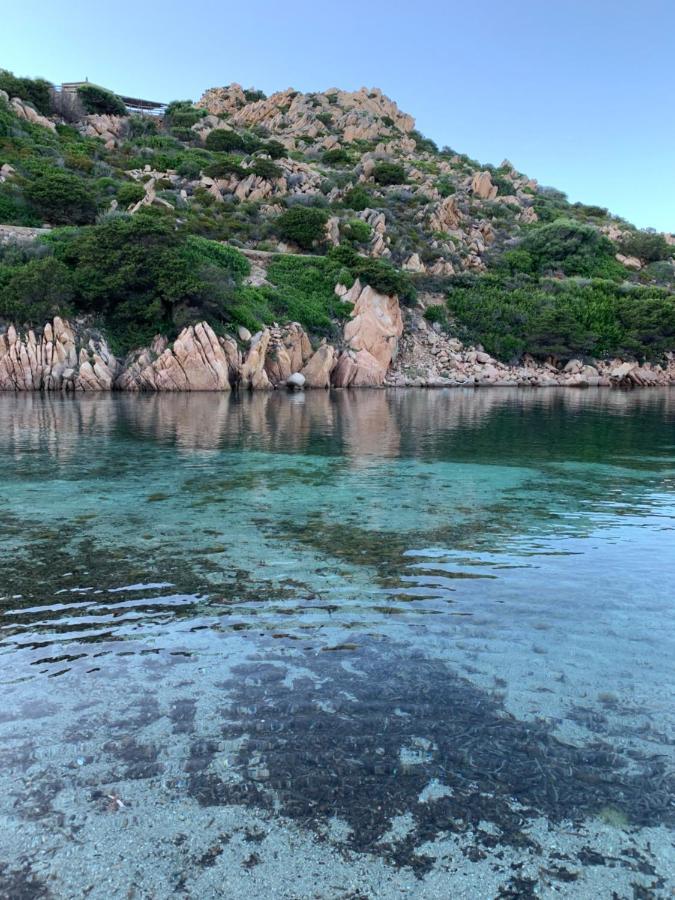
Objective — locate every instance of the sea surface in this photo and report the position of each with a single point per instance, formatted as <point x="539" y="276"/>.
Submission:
<point x="366" y="644"/>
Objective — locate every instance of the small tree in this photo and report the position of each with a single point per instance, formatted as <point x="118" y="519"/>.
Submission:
<point x="389" y="173"/>
<point x="356" y="231"/>
<point x="266" y="169"/>
<point x="304" y="225"/>
<point x="98" y="101"/>
<point x="357" y="198"/>
<point x="130" y="192"/>
<point x="646" y="245"/>
<point x="224" y="140"/>
<point x="62" y="199"/>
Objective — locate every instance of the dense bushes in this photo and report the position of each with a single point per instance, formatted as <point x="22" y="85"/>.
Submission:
<point x="224" y="167"/>
<point x="356" y="231"/>
<point x="138" y="275"/>
<point x="304" y="291"/>
<point x="36" y="291"/>
<point x="572" y="248"/>
<point x="98" y="101"/>
<point x="386" y="173"/>
<point x="130" y="192"/>
<point x="35" y="91"/>
<point x="303" y="225"/>
<point x="61" y="198"/>
<point x="357" y="198"/>
<point x="646" y="245"/>
<point x="378" y="273"/>
<point x="141" y="275"/>
<point x="336" y="157"/>
<point x="265" y="168"/>
<point x="223" y="140"/>
<point x="512" y="315"/>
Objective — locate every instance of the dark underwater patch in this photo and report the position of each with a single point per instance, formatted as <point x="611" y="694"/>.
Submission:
<point x="363" y="737"/>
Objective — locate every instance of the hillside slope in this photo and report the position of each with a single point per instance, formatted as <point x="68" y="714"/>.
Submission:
<point x="148" y="218"/>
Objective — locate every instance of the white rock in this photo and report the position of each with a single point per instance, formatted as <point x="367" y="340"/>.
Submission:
<point x="296" y="381"/>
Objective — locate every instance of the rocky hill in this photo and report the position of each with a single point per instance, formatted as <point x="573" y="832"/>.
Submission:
<point x="244" y="239"/>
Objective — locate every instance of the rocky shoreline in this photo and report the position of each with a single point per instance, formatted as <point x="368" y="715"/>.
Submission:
<point x="381" y="346"/>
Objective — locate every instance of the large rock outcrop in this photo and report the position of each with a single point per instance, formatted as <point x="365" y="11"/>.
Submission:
<point x="334" y="115"/>
<point x="371" y="338"/>
<point x="196" y="361"/>
<point x="25" y="111"/>
<point x="288" y="350"/>
<point x="55" y="360"/>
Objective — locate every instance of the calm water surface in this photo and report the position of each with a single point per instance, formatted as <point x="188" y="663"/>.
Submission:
<point x="353" y="645"/>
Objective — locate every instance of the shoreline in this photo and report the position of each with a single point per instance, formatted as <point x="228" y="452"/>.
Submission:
<point x="236" y="391"/>
<point x="71" y="358"/>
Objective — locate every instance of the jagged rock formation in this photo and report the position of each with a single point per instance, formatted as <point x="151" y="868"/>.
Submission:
<point x="371" y="338"/>
<point x="333" y="116"/>
<point x="111" y="129"/>
<point x="197" y="361"/>
<point x="55" y="361"/>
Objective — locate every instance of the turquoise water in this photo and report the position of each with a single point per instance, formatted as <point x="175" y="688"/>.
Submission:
<point x="362" y="644"/>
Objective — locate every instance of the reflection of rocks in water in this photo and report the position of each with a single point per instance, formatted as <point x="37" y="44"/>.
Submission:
<point x="363" y="737"/>
<point x="369" y="426"/>
<point x="359" y="423"/>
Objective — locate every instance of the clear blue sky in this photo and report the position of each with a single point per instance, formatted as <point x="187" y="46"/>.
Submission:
<point x="576" y="93"/>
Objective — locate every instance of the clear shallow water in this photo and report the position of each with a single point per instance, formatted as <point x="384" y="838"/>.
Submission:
<point x="369" y="644"/>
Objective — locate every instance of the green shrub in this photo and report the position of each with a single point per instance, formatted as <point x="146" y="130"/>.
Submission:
<point x="378" y="273"/>
<point x="423" y="144"/>
<point x="572" y="248"/>
<point x="336" y="157"/>
<point x="356" y="231"/>
<point x="646" y="245"/>
<point x="61" y="198"/>
<point x="303" y="225"/>
<point x="514" y="261"/>
<point x="357" y="198"/>
<point x="274" y="149"/>
<point x="389" y="173"/>
<point x="304" y="291"/>
<point x="130" y="192"/>
<point x="510" y="316"/>
<point x="142" y="276"/>
<point x="385" y="278"/>
<point x="36" y="292"/>
<point x="224" y="167"/>
<point x="14" y="210"/>
<point x="142" y="126"/>
<point x="98" y="101"/>
<point x="445" y="186"/>
<point x="36" y="91"/>
<point x="181" y="115"/>
<point x="436" y="314"/>
<point x="503" y="185"/>
<point x="189" y="168"/>
<point x="223" y="141"/>
<point x="266" y="169"/>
